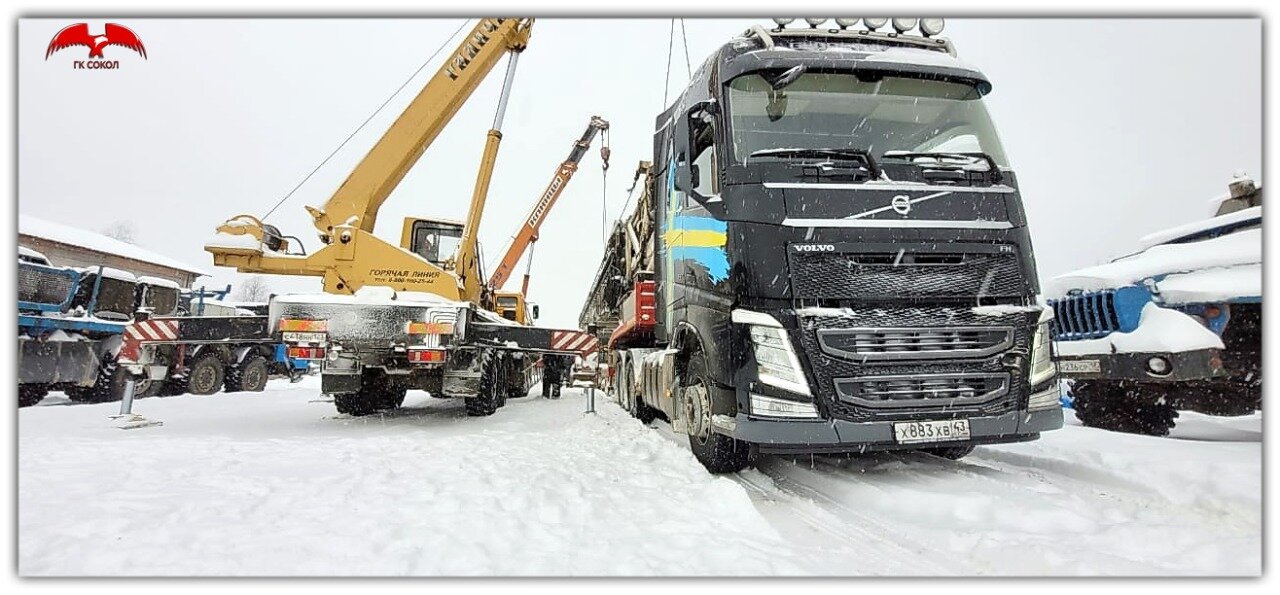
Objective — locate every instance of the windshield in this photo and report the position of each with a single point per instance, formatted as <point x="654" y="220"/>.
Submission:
<point x="858" y="111"/>
<point x="434" y="241"/>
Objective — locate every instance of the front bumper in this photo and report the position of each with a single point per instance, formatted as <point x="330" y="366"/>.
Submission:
<point x="1200" y="364"/>
<point x="836" y="435"/>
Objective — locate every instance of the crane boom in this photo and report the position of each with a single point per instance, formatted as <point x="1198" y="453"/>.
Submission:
<point x="528" y="233"/>
<point x="371" y="182"/>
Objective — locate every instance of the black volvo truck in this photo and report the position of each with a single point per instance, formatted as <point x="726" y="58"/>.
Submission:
<point x="828" y="254"/>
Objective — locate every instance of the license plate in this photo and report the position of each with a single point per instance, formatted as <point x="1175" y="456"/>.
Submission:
<point x="1080" y="366"/>
<point x="931" y="431"/>
<point x="292" y="337"/>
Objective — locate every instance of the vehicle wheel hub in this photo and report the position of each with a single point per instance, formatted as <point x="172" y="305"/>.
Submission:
<point x="697" y="405"/>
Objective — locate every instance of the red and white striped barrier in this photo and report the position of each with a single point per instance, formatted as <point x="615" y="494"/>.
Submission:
<point x="583" y="343"/>
<point x="145" y="331"/>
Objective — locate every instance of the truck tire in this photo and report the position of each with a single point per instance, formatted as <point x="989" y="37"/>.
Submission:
<point x="377" y="393"/>
<point x="205" y="375"/>
<point x="249" y="375"/>
<point x="30" y="394"/>
<point x="625" y="391"/>
<point x="717" y="452"/>
<point x="485" y="402"/>
<point x="1130" y="409"/>
<point x="109" y="385"/>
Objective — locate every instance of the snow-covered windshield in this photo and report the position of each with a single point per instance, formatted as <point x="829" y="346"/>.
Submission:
<point x="859" y="111"/>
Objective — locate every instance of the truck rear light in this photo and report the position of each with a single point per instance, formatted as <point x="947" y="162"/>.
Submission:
<point x="308" y="353"/>
<point x="430" y="328"/>
<point x="426" y="356"/>
<point x="303" y="326"/>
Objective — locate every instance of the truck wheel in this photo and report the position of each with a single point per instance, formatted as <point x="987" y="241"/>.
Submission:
<point x="954" y="453"/>
<point x="486" y="400"/>
<point x="205" y="374"/>
<point x="1133" y="410"/>
<point x="626" y="394"/>
<point x="30" y="394"/>
<point x="717" y="452"/>
<point x="249" y="375"/>
<point x="377" y="392"/>
<point x="109" y="385"/>
<point x="639" y="409"/>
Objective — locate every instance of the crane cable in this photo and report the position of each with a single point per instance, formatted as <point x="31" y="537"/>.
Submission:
<point x="605" y="151"/>
<point x="367" y="120"/>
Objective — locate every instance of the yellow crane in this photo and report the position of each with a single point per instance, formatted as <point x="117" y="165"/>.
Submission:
<point x="351" y="256"/>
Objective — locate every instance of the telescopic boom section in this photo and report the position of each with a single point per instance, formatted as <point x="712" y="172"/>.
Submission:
<point x="382" y="168"/>
<point x="528" y="233"/>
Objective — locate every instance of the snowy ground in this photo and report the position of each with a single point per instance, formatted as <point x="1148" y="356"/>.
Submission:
<point x="277" y="483"/>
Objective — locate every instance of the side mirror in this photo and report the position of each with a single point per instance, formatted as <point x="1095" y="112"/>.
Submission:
<point x="687" y="177"/>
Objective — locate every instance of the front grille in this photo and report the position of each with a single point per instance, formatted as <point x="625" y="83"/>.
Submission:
<point x="879" y="344"/>
<point x="906" y="274"/>
<point x="45" y="285"/>
<point x="922" y="390"/>
<point x="1097" y="314"/>
<point x="871" y="388"/>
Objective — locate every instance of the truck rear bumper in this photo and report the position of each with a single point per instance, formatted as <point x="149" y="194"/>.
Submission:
<point x="817" y="436"/>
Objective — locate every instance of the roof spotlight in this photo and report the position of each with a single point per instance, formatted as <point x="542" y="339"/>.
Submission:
<point x="782" y="22"/>
<point x="815" y="22"/>
<point x="874" y="23"/>
<point x="904" y="25"/>
<point x="932" y="26"/>
<point x="846" y="23"/>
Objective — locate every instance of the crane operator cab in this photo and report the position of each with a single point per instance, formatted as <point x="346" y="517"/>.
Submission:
<point x="436" y="240"/>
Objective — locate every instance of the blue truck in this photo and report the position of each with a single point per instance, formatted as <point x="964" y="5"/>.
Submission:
<point x="1177" y="325"/>
<point x="82" y="330"/>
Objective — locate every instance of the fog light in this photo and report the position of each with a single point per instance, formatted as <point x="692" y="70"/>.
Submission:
<point x="846" y="23"/>
<point x="763" y="406"/>
<point x="783" y="22"/>
<point x="814" y="22"/>
<point x="1158" y="366"/>
<point x="874" y="23"/>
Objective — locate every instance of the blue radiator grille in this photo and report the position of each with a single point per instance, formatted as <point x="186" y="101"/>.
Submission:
<point x="1097" y="314"/>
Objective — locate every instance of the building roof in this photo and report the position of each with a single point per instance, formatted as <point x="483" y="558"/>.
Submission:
<point x="91" y="240"/>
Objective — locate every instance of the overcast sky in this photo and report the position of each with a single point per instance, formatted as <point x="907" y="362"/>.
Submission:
<point x="1116" y="128"/>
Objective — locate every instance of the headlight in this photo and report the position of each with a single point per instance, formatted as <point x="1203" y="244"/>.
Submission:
<point x="776" y="361"/>
<point x="1042" y="366"/>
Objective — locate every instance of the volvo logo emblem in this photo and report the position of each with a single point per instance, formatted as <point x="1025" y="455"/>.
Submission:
<point x="901" y="204"/>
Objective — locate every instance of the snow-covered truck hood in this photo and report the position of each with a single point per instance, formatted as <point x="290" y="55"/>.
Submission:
<point x="1216" y="269"/>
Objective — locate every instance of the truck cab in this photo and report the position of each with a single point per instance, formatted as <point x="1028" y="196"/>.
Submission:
<point x="842" y="260"/>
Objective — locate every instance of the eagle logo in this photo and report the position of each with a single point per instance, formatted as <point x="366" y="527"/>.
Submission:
<point x="78" y="34"/>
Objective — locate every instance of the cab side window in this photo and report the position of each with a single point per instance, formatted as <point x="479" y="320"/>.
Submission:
<point x="704" y="151"/>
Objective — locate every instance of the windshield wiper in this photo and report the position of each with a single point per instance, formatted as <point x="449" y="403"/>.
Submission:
<point x="958" y="161"/>
<point x="848" y="154"/>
